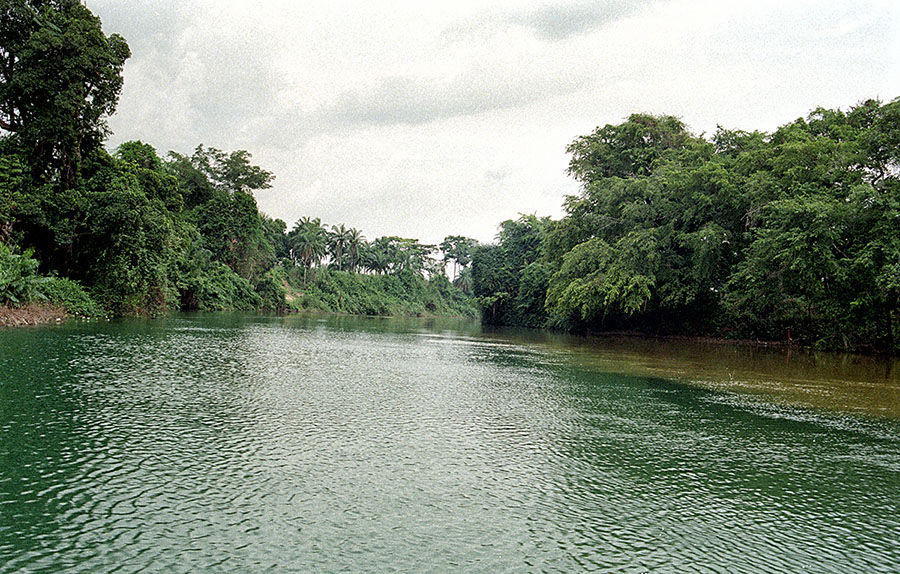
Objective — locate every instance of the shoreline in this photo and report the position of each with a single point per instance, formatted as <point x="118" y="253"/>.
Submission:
<point x="34" y="314"/>
<point x="31" y="315"/>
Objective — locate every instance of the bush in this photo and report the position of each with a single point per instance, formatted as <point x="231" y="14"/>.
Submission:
<point x="405" y="294"/>
<point x="72" y="297"/>
<point x="217" y="288"/>
<point x="271" y="290"/>
<point x="20" y="283"/>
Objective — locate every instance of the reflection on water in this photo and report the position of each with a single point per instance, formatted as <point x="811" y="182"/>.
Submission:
<point x="324" y="444"/>
<point x="838" y="382"/>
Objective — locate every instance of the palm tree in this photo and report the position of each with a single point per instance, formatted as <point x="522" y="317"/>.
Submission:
<point x="355" y="241"/>
<point x="464" y="281"/>
<point x="308" y="243"/>
<point x="376" y="256"/>
<point x="338" y="240"/>
<point x="458" y="249"/>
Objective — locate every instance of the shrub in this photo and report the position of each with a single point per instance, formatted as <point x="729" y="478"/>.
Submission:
<point x="72" y="297"/>
<point x="20" y="283"/>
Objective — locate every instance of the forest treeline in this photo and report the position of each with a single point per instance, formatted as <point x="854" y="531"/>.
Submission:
<point x="793" y="234"/>
<point x="134" y="233"/>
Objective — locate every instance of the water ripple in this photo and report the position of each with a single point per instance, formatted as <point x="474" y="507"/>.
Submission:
<point x="229" y="445"/>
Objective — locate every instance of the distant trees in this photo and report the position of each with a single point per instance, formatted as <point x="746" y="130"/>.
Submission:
<point x="458" y="249"/>
<point x="146" y="234"/>
<point x="742" y="234"/>
<point x="312" y="245"/>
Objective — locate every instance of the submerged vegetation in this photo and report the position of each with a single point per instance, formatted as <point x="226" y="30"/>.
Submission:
<point x="791" y="235"/>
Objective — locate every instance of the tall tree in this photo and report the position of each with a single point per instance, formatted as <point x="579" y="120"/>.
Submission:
<point x="355" y="243"/>
<point x="309" y="243"/>
<point x="458" y="249"/>
<point x="338" y="243"/>
<point x="217" y="187"/>
<point x="60" y="78"/>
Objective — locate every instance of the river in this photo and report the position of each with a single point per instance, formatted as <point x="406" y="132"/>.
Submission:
<point x="322" y="444"/>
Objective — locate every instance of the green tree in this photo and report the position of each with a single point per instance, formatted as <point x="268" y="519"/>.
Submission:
<point x="209" y="170"/>
<point x="338" y="243"/>
<point x="497" y="273"/>
<point x="309" y="243"/>
<point x="376" y="256"/>
<point x="458" y="249"/>
<point x="60" y="78"/>
<point x="275" y="232"/>
<point x="625" y="150"/>
<point x="355" y="242"/>
<point x="217" y="187"/>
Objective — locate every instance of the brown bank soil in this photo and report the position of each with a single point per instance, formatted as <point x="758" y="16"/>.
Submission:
<point x="30" y="315"/>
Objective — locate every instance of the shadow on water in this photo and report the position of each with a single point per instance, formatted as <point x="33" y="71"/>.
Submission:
<point x="836" y="382"/>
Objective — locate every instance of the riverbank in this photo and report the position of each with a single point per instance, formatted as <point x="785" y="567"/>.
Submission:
<point x="404" y="294"/>
<point x="31" y="314"/>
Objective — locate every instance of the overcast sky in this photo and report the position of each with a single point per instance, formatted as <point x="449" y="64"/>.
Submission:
<point x="427" y="119"/>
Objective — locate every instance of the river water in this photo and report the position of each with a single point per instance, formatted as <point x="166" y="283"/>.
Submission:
<point x="227" y="443"/>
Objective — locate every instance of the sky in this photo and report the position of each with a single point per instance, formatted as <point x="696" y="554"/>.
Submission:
<point x="428" y="119"/>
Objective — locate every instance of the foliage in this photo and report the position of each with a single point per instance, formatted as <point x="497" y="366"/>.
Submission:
<point x="271" y="291"/>
<point x="790" y="234"/>
<point x="20" y="282"/>
<point x="71" y="296"/>
<point x="60" y="77"/>
<point x="209" y="170"/>
<point x="405" y="293"/>
<point x="148" y="234"/>
<point x="743" y="234"/>
<point x="458" y="249"/>
<point x="509" y="279"/>
<point x="127" y="243"/>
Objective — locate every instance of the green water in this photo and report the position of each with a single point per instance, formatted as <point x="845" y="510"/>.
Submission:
<point x="308" y="444"/>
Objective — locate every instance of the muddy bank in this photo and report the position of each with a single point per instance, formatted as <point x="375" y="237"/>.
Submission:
<point x="30" y="315"/>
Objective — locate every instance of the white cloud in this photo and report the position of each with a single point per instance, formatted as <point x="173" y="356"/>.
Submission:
<point x="430" y="119"/>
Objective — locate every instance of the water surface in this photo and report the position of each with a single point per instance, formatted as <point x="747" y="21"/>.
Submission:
<point x="224" y="443"/>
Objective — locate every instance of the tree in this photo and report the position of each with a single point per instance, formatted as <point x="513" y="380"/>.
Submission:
<point x="142" y="160"/>
<point x="309" y="243"/>
<point x="458" y="249"/>
<point x="60" y="78"/>
<point x="497" y="273"/>
<point x="338" y="242"/>
<point x="376" y="256"/>
<point x="625" y="150"/>
<point x="217" y="188"/>
<point x="355" y="242"/>
<point x="275" y="233"/>
<point x="210" y="169"/>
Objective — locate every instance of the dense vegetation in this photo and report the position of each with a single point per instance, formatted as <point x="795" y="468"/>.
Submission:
<point x="135" y="233"/>
<point x="793" y="234"/>
<point x="789" y="235"/>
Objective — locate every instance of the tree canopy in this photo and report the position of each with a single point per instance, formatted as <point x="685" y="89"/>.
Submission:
<point x="745" y="234"/>
<point x="60" y="78"/>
